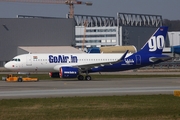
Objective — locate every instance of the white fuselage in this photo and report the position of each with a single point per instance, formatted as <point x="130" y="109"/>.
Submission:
<point x="53" y="62"/>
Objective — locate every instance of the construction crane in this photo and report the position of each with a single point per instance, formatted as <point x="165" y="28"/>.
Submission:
<point x="67" y="2"/>
<point x="84" y="37"/>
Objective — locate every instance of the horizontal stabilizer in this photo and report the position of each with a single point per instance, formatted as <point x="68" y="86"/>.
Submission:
<point x="155" y="59"/>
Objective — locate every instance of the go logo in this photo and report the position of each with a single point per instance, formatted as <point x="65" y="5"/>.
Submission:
<point x="156" y="42"/>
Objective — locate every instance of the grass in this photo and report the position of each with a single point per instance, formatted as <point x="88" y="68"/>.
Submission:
<point x="144" y="107"/>
<point x="141" y="107"/>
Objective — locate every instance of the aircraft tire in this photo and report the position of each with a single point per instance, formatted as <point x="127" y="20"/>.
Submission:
<point x="19" y="79"/>
<point x="88" y="77"/>
<point x="80" y="77"/>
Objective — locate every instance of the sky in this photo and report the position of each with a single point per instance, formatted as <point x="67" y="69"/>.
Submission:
<point x="169" y="9"/>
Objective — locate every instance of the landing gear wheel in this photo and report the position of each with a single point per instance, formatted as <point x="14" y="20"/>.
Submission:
<point x="19" y="79"/>
<point x="88" y="77"/>
<point x="80" y="77"/>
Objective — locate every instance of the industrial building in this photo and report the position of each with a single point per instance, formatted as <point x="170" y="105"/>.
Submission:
<point x="126" y="29"/>
<point x="174" y="38"/>
<point x="33" y="31"/>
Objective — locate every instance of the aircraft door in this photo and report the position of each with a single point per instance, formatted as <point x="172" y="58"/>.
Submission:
<point x="29" y="60"/>
<point x="138" y="60"/>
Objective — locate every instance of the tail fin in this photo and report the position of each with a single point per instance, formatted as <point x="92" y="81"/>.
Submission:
<point x="155" y="44"/>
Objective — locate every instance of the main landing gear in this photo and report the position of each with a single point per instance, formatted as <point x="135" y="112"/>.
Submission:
<point x="87" y="77"/>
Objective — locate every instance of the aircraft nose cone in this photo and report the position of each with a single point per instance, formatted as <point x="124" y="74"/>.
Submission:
<point x="7" y="66"/>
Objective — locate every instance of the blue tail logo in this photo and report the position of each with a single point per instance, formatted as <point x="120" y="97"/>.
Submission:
<point x="151" y="52"/>
<point x="156" y="42"/>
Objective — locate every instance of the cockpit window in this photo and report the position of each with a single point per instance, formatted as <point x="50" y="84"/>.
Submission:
<point x="16" y="59"/>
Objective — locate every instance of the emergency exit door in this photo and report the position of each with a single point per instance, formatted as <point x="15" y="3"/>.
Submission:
<point x="29" y="60"/>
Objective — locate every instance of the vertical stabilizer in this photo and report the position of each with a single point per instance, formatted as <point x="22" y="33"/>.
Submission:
<point x="156" y="42"/>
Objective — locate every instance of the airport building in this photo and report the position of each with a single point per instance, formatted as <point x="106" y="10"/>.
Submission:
<point x="126" y="29"/>
<point x="174" y="38"/>
<point x="26" y="34"/>
<point x="33" y="31"/>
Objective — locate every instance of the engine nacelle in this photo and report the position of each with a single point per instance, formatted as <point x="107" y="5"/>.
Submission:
<point x="68" y="72"/>
<point x="65" y="72"/>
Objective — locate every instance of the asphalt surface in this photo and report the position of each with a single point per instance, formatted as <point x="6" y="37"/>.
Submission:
<point x="99" y="87"/>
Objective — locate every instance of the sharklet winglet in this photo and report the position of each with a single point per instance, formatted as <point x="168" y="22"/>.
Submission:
<point x="123" y="57"/>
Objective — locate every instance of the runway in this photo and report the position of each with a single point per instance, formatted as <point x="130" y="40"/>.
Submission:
<point x="101" y="87"/>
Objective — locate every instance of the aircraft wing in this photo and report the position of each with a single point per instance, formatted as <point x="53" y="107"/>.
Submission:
<point x="84" y="67"/>
<point x="89" y="66"/>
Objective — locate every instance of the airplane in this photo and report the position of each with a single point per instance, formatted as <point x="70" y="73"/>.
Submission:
<point x="74" y="65"/>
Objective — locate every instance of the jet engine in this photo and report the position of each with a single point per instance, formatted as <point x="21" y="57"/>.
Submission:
<point x="65" y="72"/>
